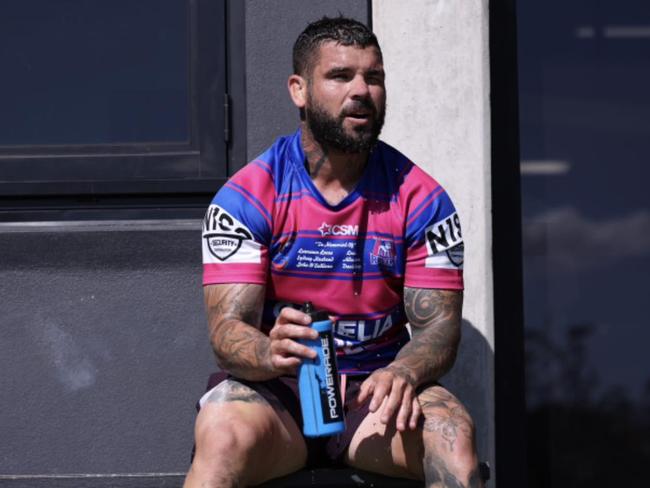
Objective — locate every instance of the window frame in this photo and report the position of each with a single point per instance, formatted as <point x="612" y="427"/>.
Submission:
<point x="509" y="391"/>
<point x="197" y="166"/>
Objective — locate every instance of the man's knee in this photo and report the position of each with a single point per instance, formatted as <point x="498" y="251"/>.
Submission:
<point x="446" y="418"/>
<point x="227" y="435"/>
<point x="448" y="436"/>
<point x="226" y="444"/>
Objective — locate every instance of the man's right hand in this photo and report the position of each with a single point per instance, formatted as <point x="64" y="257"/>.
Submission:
<point x="286" y="352"/>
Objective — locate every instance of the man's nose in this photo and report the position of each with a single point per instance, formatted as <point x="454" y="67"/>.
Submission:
<point x="359" y="87"/>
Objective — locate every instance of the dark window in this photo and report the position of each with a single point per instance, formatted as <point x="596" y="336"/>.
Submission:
<point x="94" y="72"/>
<point x="112" y="97"/>
<point x="585" y="140"/>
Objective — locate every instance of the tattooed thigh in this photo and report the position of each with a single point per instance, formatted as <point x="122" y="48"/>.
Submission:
<point x="231" y="390"/>
<point x="445" y="418"/>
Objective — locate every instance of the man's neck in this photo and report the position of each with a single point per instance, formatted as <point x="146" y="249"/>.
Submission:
<point x="335" y="173"/>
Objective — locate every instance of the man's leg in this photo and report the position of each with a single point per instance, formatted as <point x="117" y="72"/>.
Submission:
<point x="244" y="438"/>
<point x="441" y="451"/>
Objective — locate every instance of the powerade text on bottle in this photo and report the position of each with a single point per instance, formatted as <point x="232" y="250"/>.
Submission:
<point x="318" y="383"/>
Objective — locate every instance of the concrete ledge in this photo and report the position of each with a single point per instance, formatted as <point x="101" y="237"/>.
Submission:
<point x="143" y="480"/>
<point x="193" y="225"/>
<point x="322" y="478"/>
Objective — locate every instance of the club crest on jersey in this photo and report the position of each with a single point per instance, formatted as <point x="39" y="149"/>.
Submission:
<point x="443" y="235"/>
<point x="223" y="232"/>
<point x="338" y="230"/>
<point x="383" y="253"/>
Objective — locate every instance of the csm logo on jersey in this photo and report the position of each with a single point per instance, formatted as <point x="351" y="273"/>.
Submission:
<point x="223" y="233"/>
<point x="338" y="230"/>
<point x="445" y="237"/>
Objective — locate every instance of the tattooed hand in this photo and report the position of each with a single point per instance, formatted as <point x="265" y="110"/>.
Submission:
<point x="286" y="352"/>
<point x="394" y="387"/>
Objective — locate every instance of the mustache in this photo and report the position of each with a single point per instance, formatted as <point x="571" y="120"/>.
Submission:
<point x="364" y="104"/>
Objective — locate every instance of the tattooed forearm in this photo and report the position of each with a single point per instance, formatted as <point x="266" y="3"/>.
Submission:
<point x="242" y="351"/>
<point x="234" y="302"/>
<point x="234" y="316"/>
<point x="435" y="317"/>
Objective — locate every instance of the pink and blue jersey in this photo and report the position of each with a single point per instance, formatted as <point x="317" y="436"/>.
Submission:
<point x="270" y="225"/>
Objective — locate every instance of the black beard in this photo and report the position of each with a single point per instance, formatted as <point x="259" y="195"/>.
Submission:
<point x="328" y="131"/>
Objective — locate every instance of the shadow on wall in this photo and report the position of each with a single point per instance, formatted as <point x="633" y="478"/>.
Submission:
<point x="471" y="381"/>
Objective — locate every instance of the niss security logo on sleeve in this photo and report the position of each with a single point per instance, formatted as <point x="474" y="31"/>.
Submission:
<point x="227" y="240"/>
<point x="445" y="244"/>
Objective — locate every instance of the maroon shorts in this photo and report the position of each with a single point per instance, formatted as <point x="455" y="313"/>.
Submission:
<point x="321" y="451"/>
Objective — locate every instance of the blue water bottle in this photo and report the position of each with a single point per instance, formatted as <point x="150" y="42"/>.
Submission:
<point x="318" y="381"/>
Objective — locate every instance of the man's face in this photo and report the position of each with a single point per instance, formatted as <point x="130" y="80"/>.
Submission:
<point x="346" y="97"/>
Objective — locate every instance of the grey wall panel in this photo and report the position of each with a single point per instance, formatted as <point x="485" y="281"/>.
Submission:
<point x="103" y="350"/>
<point x="271" y="29"/>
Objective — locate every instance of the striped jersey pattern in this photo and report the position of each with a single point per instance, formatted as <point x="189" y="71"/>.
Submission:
<point x="270" y="225"/>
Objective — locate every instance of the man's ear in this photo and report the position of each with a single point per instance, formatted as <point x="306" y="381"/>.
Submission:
<point x="298" y="90"/>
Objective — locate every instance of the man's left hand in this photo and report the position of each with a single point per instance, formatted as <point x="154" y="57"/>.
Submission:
<point x="394" y="388"/>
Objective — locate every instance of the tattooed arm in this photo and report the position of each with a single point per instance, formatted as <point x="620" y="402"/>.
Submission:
<point x="234" y="315"/>
<point x="435" y="317"/>
<point x="234" y="318"/>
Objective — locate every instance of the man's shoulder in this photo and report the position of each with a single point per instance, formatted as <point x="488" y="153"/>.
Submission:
<point x="410" y="175"/>
<point x="269" y="166"/>
<point x="389" y="153"/>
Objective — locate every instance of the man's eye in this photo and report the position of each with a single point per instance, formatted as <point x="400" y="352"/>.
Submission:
<point x="341" y="77"/>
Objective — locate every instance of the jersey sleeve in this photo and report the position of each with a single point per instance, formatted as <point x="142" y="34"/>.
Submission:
<point x="434" y="240"/>
<point x="237" y="228"/>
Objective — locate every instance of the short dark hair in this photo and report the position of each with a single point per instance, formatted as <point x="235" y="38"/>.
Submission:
<point x="342" y="30"/>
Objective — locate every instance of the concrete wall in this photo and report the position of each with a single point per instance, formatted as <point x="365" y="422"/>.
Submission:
<point x="437" y="75"/>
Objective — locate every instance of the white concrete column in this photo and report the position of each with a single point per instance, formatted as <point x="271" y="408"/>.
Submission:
<point x="436" y="55"/>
